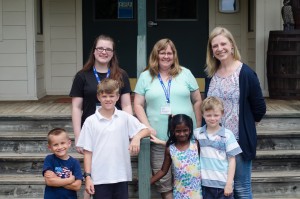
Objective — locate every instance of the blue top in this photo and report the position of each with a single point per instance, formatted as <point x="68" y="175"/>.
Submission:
<point x="252" y="109"/>
<point x="61" y="168"/>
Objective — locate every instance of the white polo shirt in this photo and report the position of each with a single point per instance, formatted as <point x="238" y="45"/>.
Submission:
<point x="108" y="140"/>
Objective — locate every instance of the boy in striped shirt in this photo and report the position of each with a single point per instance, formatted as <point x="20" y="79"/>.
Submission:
<point x="218" y="148"/>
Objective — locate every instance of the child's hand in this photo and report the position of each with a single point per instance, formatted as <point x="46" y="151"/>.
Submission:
<point x="89" y="186"/>
<point x="134" y="147"/>
<point x="228" y="189"/>
<point x="155" y="140"/>
<point x="50" y="174"/>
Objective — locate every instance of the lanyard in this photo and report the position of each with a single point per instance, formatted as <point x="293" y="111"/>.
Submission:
<point x="167" y="91"/>
<point x="97" y="76"/>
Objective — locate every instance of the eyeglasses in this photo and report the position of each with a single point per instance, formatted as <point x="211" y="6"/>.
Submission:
<point x="163" y="54"/>
<point x="100" y="50"/>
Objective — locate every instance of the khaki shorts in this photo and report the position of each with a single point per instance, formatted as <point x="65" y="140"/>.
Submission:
<point x="157" y="158"/>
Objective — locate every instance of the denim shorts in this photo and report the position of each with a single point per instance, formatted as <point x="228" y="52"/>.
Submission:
<point x="111" y="191"/>
<point x="211" y="192"/>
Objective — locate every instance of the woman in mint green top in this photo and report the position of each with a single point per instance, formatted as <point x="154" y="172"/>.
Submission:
<point x="165" y="88"/>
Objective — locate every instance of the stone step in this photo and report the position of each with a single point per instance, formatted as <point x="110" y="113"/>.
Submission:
<point x="28" y="142"/>
<point x="280" y="123"/>
<point x="32" y="163"/>
<point x="32" y="186"/>
<point x="34" y="123"/>
<point x="264" y="184"/>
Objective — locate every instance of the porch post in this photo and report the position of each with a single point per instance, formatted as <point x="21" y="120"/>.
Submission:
<point x="144" y="169"/>
<point x="141" y="37"/>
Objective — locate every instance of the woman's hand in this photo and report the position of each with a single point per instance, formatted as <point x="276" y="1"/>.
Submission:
<point x="155" y="140"/>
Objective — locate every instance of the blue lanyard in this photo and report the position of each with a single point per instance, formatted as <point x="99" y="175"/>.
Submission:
<point x="167" y="91"/>
<point x="97" y="76"/>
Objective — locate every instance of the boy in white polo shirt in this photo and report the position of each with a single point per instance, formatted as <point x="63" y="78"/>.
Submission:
<point x="218" y="148"/>
<point x="108" y="137"/>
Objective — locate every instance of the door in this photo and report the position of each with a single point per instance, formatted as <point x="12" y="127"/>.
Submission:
<point x="185" y="22"/>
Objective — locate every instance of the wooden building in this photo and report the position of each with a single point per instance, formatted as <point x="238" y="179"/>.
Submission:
<point x="43" y="43"/>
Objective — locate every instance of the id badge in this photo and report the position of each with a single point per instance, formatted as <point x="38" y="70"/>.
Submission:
<point x="165" y="110"/>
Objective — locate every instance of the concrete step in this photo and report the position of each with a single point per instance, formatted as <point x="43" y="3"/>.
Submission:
<point x="32" y="163"/>
<point x="276" y="184"/>
<point x="264" y="184"/>
<point x="278" y="140"/>
<point x="32" y="186"/>
<point x="34" y="123"/>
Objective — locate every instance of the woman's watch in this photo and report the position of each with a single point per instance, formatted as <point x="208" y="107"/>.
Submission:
<point x="85" y="174"/>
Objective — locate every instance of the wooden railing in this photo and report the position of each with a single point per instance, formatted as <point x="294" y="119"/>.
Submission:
<point x="144" y="170"/>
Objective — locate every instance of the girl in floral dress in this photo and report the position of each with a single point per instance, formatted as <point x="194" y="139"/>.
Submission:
<point x="182" y="152"/>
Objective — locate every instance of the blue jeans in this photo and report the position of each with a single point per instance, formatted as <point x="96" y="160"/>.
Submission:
<point x="214" y="193"/>
<point x="242" y="178"/>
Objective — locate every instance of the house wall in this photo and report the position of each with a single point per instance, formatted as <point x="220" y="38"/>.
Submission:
<point x="268" y="17"/>
<point x="63" y="48"/>
<point x="16" y="50"/>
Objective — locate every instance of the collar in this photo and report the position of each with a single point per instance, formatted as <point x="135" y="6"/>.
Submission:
<point x="221" y="131"/>
<point x="100" y="117"/>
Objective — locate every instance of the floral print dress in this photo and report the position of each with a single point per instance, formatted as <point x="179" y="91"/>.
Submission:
<point x="186" y="172"/>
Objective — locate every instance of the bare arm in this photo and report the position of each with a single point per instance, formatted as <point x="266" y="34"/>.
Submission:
<point x="155" y="140"/>
<point x="75" y="186"/>
<point x="231" y="170"/>
<point x="126" y="103"/>
<point x="134" y="146"/>
<point x="139" y="105"/>
<point x="53" y="180"/>
<point x="165" y="167"/>
<point x="196" y="100"/>
<point x="89" y="185"/>
<point x="76" y="119"/>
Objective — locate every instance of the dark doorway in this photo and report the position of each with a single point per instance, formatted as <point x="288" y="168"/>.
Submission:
<point x="183" y="21"/>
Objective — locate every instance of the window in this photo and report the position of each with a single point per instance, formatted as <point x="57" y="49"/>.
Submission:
<point x="229" y="6"/>
<point x="114" y="9"/>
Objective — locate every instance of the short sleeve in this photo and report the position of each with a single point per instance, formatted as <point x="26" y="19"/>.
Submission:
<point x="126" y="88"/>
<point x="232" y="146"/>
<point x="85" y="138"/>
<point x="77" y="86"/>
<point x="134" y="126"/>
<point x="191" y="80"/>
<point x="140" y="85"/>
<point x="77" y="170"/>
<point x="48" y="164"/>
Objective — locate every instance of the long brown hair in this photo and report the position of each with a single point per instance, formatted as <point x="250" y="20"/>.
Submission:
<point x="153" y="66"/>
<point x="115" y="71"/>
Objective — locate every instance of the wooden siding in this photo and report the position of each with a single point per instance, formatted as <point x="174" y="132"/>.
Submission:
<point x="62" y="46"/>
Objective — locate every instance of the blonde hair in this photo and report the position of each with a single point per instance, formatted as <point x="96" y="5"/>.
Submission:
<point x="56" y="131"/>
<point x="109" y="86"/>
<point x="212" y="103"/>
<point x="153" y="66"/>
<point x="212" y="64"/>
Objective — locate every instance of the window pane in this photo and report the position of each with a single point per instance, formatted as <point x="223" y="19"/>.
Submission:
<point x="114" y="9"/>
<point x="176" y="9"/>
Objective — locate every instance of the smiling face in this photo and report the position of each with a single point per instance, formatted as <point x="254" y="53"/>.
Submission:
<point x="108" y="100"/>
<point x="165" y="58"/>
<point x="59" y="145"/>
<point x="182" y="132"/>
<point x="213" y="118"/>
<point x="103" y="52"/>
<point x="222" y="48"/>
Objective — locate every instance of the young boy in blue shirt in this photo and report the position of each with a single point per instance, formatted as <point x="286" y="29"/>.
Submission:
<point x="108" y="137"/>
<point x="62" y="173"/>
<point x="218" y="148"/>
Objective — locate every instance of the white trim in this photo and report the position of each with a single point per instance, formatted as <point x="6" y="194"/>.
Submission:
<point x="46" y="30"/>
<point x="1" y="28"/>
<point x="31" y="63"/>
<point x="79" y="41"/>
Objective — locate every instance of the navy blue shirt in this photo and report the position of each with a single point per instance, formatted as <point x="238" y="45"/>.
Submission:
<point x="61" y="168"/>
